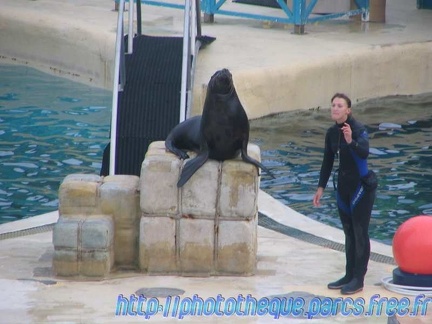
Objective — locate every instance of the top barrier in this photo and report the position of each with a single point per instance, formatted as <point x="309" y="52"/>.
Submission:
<point x="297" y="12"/>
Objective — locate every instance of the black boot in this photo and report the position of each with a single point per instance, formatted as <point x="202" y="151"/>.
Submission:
<point x="355" y="285"/>
<point x="339" y="283"/>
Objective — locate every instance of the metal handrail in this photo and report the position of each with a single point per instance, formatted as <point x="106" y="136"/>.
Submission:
<point x="118" y="83"/>
<point x="192" y="29"/>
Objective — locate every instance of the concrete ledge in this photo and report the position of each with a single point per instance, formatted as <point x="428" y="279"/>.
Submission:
<point x="397" y="69"/>
<point x="61" y="38"/>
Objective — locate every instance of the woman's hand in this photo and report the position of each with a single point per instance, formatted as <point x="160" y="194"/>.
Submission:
<point x="317" y="197"/>
<point x="346" y="130"/>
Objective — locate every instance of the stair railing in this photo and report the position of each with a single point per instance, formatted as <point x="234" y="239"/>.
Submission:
<point x="192" y="29"/>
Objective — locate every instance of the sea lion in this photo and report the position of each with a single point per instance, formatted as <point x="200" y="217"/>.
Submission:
<point x="185" y="137"/>
<point x="220" y="133"/>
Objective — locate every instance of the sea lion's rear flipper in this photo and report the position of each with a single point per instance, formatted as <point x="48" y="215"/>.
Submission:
<point x="246" y="158"/>
<point x="191" y="166"/>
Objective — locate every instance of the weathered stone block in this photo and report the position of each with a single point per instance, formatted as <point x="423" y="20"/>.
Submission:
<point x="78" y="194"/>
<point x="157" y="148"/>
<point x="96" y="263"/>
<point x="65" y="233"/>
<point x="126" y="247"/>
<point x="236" y="250"/>
<point x="83" y="177"/>
<point x="97" y="233"/>
<point x="65" y="263"/>
<point x="120" y="197"/>
<point x="159" y="175"/>
<point x="238" y="189"/>
<point x="196" y="245"/>
<point x="254" y="151"/>
<point x="199" y="194"/>
<point x="157" y="252"/>
<point x="83" y="245"/>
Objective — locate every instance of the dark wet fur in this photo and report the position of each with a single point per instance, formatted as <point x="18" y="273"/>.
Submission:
<point x="223" y="129"/>
<point x="184" y="137"/>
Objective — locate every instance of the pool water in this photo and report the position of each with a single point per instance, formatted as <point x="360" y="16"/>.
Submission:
<point x="49" y="127"/>
<point x="400" y="132"/>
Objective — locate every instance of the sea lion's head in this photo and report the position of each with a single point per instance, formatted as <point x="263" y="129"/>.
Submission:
<point x="221" y="82"/>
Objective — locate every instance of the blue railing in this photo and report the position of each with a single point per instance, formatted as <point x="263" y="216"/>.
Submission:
<point x="300" y="13"/>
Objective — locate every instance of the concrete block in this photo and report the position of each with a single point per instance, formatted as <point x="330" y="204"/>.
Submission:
<point x="196" y="246"/>
<point x="65" y="233"/>
<point x="238" y="189"/>
<point x="82" y="177"/>
<point x="78" y="194"/>
<point x="254" y="151"/>
<point x="96" y="263"/>
<point x="159" y="175"/>
<point x="236" y="250"/>
<point x="65" y="263"/>
<point x="126" y="247"/>
<point x="121" y="199"/>
<point x="97" y="233"/>
<point x="157" y="148"/>
<point x="157" y="245"/>
<point x="119" y="196"/>
<point x="83" y="246"/>
<point x="199" y="194"/>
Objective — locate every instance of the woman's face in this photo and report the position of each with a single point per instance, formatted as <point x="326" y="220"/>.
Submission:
<point x="339" y="110"/>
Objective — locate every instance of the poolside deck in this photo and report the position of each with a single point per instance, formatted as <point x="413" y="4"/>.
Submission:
<point x="274" y="70"/>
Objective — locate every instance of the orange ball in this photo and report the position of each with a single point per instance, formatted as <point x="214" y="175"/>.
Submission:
<point x="412" y="245"/>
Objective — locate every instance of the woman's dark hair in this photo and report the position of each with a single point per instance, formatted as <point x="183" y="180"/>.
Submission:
<point x="342" y="96"/>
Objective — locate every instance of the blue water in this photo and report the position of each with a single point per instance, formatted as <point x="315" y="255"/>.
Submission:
<point x="49" y="127"/>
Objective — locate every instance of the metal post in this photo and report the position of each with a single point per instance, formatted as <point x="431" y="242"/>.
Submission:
<point x="299" y="8"/>
<point x="185" y="59"/>
<point x="209" y="10"/>
<point x="139" y="19"/>
<point x="198" y="16"/>
<point x="131" y="29"/>
<point x="113" y="139"/>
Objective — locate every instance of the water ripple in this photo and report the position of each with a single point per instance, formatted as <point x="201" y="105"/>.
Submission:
<point x="52" y="127"/>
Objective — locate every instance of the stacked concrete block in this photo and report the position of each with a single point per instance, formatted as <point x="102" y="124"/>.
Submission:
<point x="159" y="205"/>
<point x="207" y="227"/>
<point x="98" y="225"/>
<point x="119" y="197"/>
<point x="157" y="247"/>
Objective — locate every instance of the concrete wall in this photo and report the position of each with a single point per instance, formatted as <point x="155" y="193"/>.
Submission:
<point x="380" y="71"/>
<point x="54" y="43"/>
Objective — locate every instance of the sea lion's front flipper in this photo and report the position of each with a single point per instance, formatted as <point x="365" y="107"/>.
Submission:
<point x="246" y="158"/>
<point x="191" y="166"/>
<point x="169" y="146"/>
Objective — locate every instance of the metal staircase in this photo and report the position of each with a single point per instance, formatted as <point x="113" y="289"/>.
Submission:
<point x="152" y="89"/>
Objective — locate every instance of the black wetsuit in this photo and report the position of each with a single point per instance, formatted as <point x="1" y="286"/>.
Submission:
<point x="353" y="201"/>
